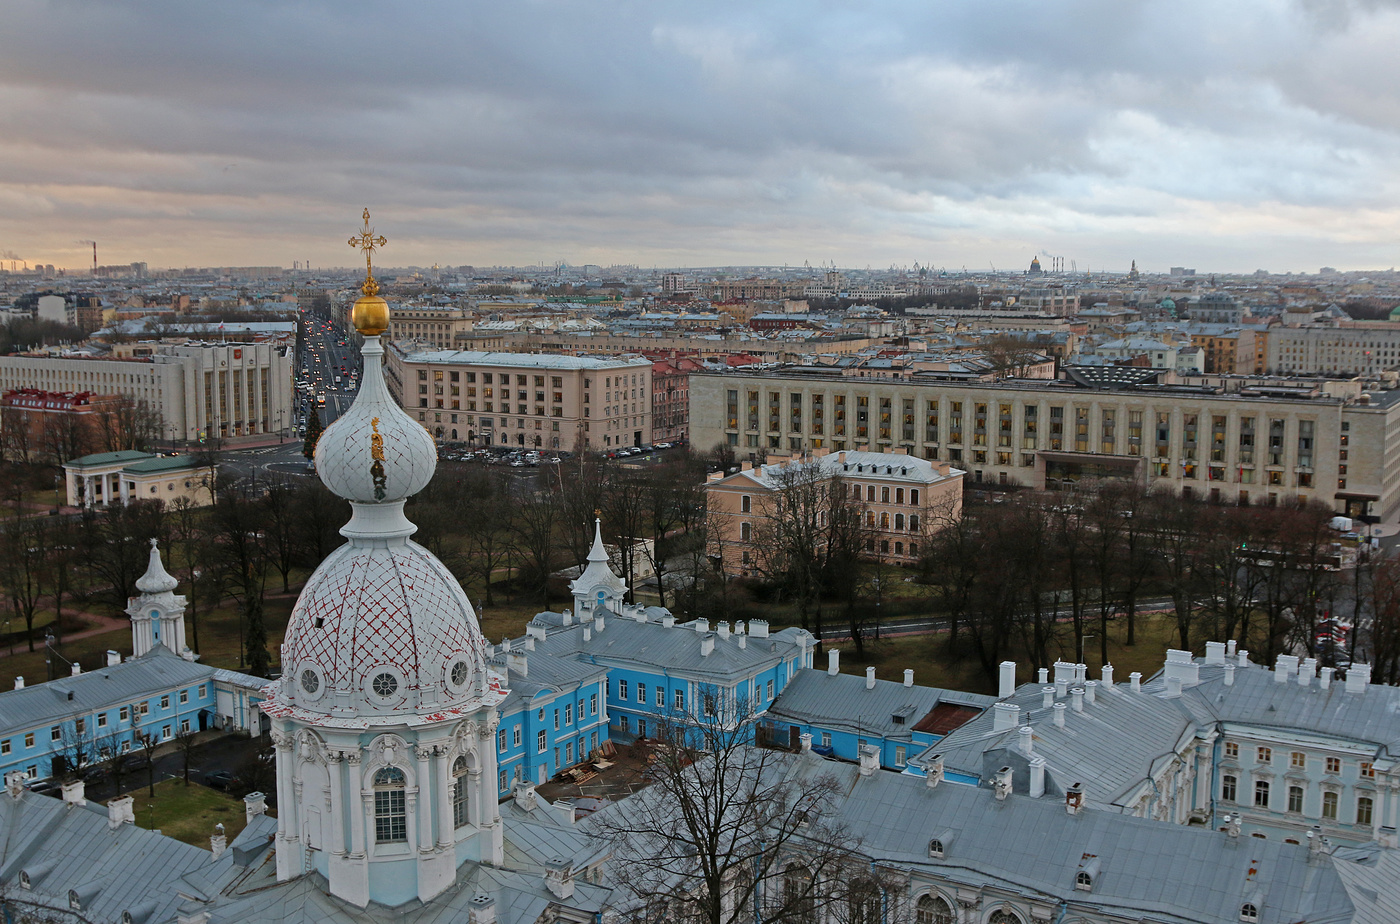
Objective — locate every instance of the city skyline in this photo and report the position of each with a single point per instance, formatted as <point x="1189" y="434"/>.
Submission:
<point x="1260" y="136"/>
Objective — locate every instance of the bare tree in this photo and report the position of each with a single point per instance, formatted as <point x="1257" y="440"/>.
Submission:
<point x="729" y="827"/>
<point x="487" y="545"/>
<point x="16" y="435"/>
<point x="184" y="745"/>
<point x="536" y="517"/>
<point x="24" y="570"/>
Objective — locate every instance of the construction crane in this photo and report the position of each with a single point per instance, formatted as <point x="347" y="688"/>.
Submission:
<point x="94" y="255"/>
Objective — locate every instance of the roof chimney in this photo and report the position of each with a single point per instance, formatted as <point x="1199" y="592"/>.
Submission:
<point x="668" y="620"/>
<point x="1091" y="689"/>
<point x="806" y="739"/>
<point x="1232" y="825"/>
<point x="77" y="669"/>
<point x="1358" y="677"/>
<point x="1135" y="681"/>
<point x="707" y="644"/>
<point x="743" y="641"/>
<point x="1215" y="653"/>
<point x="1042" y="676"/>
<point x="1025" y="735"/>
<point x="758" y="628"/>
<point x="934" y="775"/>
<point x="113" y="658"/>
<point x="566" y="618"/>
<point x="1305" y="674"/>
<point x="218" y="843"/>
<point x="1181" y="665"/>
<point x="1285" y="667"/>
<point x="1242" y="657"/>
<point x="254" y="804"/>
<point x="1059" y="712"/>
<point x="869" y="759"/>
<point x="598" y="623"/>
<point x="1005" y="716"/>
<point x="1064" y="670"/>
<point x="588" y="632"/>
<point x="73" y="793"/>
<point x="517" y="661"/>
<point x="1037" y="777"/>
<point x="1001" y="785"/>
<point x="702" y="626"/>
<point x="558" y="878"/>
<point x="119" y="812"/>
<point x="1047" y="697"/>
<point x="1173" y="687"/>
<point x="1229" y="674"/>
<point x="482" y="909"/>
<point x="1076" y="699"/>
<point x="1061" y="688"/>
<point x="908" y="677"/>
<point x="722" y="629"/>
<point x="1230" y="648"/>
<point x="870" y="678"/>
<point x="833" y="662"/>
<point x="19" y="683"/>
<point x="1106" y="672"/>
<point x="1324" y="679"/>
<point x="1007" y="685"/>
<point x="1074" y="799"/>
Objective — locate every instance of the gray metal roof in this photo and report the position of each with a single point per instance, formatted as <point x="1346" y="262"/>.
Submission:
<point x="104" y="688"/>
<point x="1110" y="748"/>
<point x="842" y="701"/>
<point x="676" y="649"/>
<point x="1257" y="698"/>
<point x="115" y="869"/>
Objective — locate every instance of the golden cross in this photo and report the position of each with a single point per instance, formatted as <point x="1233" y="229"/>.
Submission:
<point x="366" y="242"/>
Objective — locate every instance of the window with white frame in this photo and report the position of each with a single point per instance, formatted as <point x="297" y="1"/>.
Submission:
<point x="459" y="792"/>
<point x="390" y="808"/>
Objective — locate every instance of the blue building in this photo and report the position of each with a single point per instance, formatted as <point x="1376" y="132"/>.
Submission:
<point x="619" y="671"/>
<point x="844" y="713"/>
<point x="158" y="693"/>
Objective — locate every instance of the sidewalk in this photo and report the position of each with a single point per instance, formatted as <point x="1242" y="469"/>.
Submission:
<point x="103" y="624"/>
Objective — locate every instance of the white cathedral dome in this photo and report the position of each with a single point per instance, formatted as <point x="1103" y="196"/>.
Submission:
<point x="382" y="629"/>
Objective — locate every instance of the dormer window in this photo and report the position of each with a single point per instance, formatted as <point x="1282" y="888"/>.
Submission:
<point x="74" y="903"/>
<point x="24" y="882"/>
<point x="1088" y="872"/>
<point x="935" y="849"/>
<point x="1083" y="881"/>
<point x="1248" y="912"/>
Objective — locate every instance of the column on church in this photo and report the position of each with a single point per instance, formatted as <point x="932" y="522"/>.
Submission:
<point x="364" y="821"/>
<point x="420" y="830"/>
<point x="442" y="764"/>
<point x="336" y="772"/>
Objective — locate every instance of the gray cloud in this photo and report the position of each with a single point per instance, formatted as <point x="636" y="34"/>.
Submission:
<point x="1253" y="133"/>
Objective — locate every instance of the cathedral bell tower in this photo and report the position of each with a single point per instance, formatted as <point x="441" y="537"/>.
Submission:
<point x="385" y="717"/>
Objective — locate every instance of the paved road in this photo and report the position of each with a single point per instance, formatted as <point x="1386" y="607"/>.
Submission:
<point x="220" y="752"/>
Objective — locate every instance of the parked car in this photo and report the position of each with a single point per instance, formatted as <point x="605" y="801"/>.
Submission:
<point x="221" y="780"/>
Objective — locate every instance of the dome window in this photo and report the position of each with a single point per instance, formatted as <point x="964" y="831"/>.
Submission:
<point x="309" y="681"/>
<point x="384" y="684"/>
<point x="460" y="673"/>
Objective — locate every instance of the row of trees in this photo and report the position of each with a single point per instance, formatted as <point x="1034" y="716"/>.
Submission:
<point x="29" y="437"/>
<point x="1046" y="573"/>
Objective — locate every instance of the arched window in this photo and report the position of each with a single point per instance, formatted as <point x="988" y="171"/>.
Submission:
<point x="914" y="496"/>
<point x="745" y="531"/>
<point x="913" y="548"/>
<point x="870" y="519"/>
<point x="745" y="503"/>
<point x="884" y="521"/>
<point x="863" y="903"/>
<point x="1248" y="912"/>
<point x="1329" y="805"/>
<point x="1002" y="916"/>
<point x="913" y="522"/>
<point x="932" y="909"/>
<point x="459" y="793"/>
<point x="799" y="895"/>
<point x="899" y="521"/>
<point x="1083" y="881"/>
<point x="855" y="492"/>
<point x="884" y="495"/>
<point x="899" y="548"/>
<point x="899" y="495"/>
<point x="390" y="813"/>
<point x="870" y="493"/>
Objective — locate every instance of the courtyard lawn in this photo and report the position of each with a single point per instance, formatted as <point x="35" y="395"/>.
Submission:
<point x="188" y="813"/>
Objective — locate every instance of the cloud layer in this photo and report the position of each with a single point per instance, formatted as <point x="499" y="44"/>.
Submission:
<point x="1225" y="136"/>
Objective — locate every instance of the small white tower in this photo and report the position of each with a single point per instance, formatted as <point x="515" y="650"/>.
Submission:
<point x="158" y="614"/>
<point x="597" y="587"/>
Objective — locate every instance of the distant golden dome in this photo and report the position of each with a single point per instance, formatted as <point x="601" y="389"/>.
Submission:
<point x="370" y="315"/>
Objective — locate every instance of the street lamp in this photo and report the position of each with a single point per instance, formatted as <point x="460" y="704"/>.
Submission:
<point x="1081" y="647"/>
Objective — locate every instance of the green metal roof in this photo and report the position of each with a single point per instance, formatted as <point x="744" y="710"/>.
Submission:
<point x="160" y="464"/>
<point x="107" y="458"/>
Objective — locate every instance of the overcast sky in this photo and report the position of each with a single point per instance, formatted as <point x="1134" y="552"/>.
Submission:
<point x="1227" y="136"/>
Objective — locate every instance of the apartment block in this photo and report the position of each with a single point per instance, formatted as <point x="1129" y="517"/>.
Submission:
<point x="524" y="399"/>
<point x="1259" y="445"/>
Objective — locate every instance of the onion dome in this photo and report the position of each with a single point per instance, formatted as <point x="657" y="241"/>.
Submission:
<point x="382" y="631"/>
<point x="156" y="580"/>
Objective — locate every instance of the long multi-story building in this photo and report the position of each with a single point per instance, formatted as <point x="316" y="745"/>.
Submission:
<point x="1252" y="445"/>
<point x="201" y="390"/>
<point x="1361" y="350"/>
<point x="436" y="324"/>
<point x="523" y="399"/>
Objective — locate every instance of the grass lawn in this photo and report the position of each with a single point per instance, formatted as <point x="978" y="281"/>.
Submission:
<point x="927" y="655"/>
<point x="188" y="813"/>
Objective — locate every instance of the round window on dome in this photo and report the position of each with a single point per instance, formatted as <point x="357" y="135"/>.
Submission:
<point x="460" y="672"/>
<point x="384" y="684"/>
<point x="309" y="681"/>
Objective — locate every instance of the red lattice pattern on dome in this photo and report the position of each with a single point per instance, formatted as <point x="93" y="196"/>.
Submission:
<point x="377" y="607"/>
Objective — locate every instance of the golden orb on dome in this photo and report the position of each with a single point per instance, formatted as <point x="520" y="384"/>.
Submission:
<point x="370" y="315"/>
